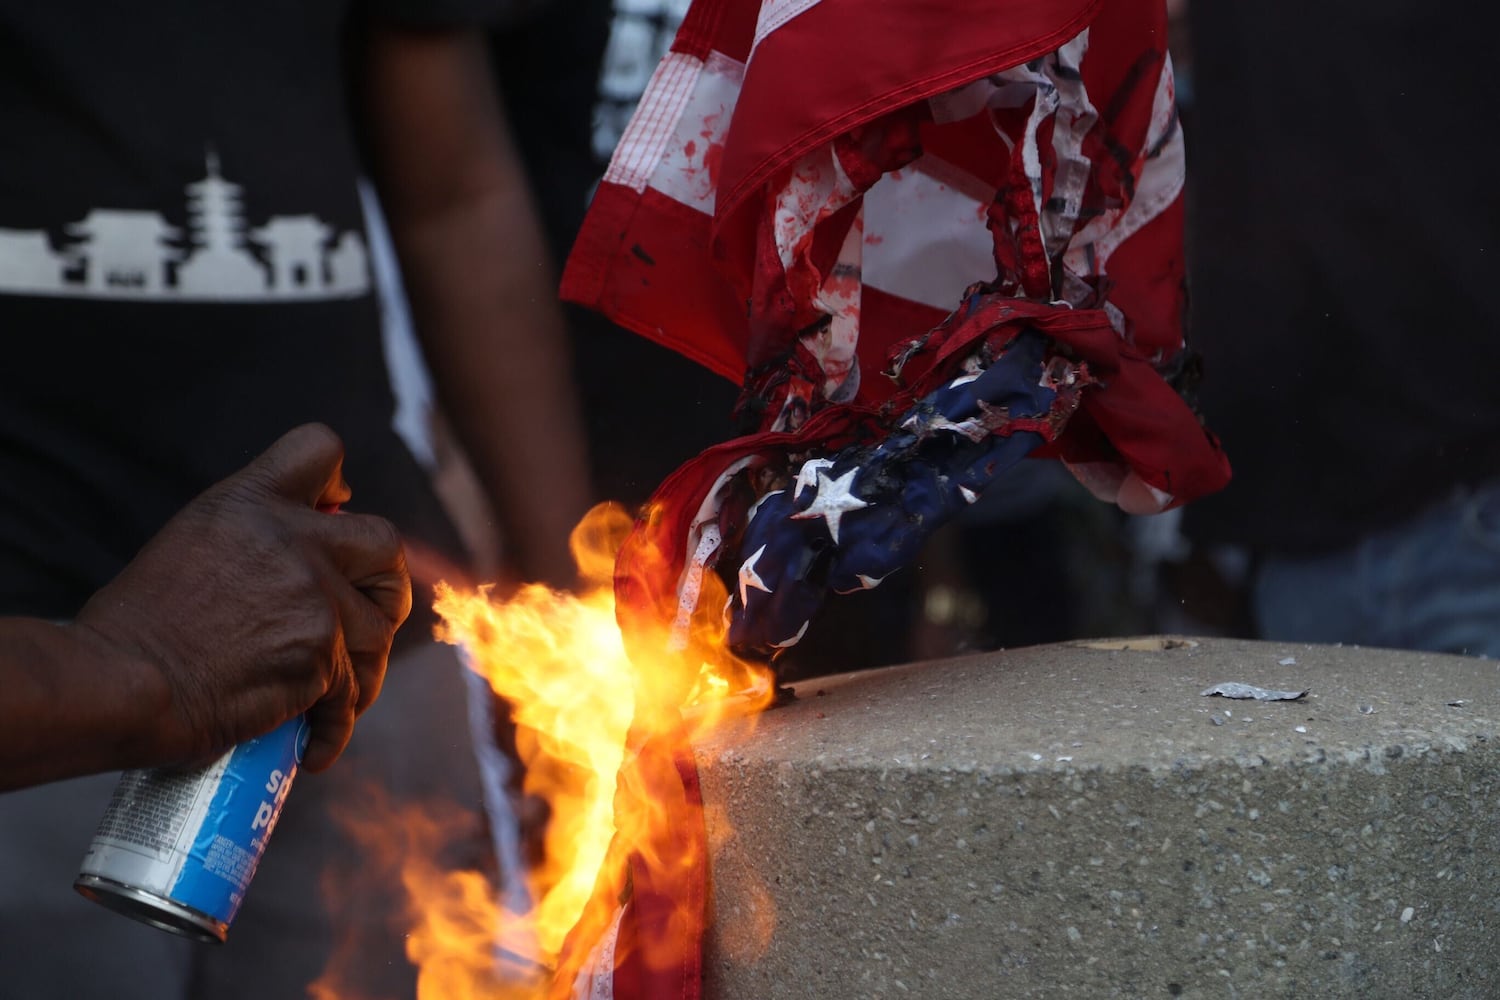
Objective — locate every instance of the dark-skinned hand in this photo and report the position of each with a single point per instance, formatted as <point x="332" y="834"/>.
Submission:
<point x="252" y="606"/>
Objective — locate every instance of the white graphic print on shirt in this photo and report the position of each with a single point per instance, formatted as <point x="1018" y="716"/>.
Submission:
<point x="131" y="254"/>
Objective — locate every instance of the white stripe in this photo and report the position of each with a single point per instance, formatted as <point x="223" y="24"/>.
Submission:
<point x="817" y="188"/>
<point x="775" y="13"/>
<point x="1075" y="117"/>
<point x="701" y="543"/>
<point x="596" y="979"/>
<point x="925" y="235"/>
<point x="840" y="298"/>
<point x="654" y="121"/>
<point x="690" y="586"/>
<point x="687" y="157"/>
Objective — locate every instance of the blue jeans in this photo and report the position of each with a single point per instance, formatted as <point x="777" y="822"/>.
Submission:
<point x="1431" y="583"/>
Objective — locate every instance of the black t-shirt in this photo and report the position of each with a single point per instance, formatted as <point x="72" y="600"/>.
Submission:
<point x="183" y="276"/>
<point x="1345" y="228"/>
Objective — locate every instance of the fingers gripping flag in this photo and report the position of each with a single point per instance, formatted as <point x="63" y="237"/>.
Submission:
<point x="929" y="241"/>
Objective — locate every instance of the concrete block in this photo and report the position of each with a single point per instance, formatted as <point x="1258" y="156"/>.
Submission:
<point x="1079" y="820"/>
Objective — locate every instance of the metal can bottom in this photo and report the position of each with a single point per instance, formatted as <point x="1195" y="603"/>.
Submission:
<point x="150" y="908"/>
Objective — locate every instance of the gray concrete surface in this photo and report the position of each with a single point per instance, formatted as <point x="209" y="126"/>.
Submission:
<point x="1079" y="821"/>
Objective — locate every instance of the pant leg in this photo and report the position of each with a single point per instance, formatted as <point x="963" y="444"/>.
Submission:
<point x="1447" y="585"/>
<point x="1431" y="582"/>
<point x="53" y="942"/>
<point x="1320" y="599"/>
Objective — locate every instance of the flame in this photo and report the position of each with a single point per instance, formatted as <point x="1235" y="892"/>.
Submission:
<point x="583" y="712"/>
<point x="450" y="918"/>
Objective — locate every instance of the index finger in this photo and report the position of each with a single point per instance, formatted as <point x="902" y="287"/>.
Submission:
<point x="366" y="550"/>
<point x="305" y="464"/>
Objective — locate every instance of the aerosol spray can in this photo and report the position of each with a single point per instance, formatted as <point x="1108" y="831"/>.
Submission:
<point x="177" y="849"/>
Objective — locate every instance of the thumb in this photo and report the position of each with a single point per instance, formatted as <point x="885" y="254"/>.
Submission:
<point x="305" y="465"/>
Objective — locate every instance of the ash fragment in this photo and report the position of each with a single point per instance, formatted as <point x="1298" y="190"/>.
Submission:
<point x="1234" y="689"/>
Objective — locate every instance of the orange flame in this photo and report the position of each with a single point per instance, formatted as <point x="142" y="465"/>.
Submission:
<point x="582" y="710"/>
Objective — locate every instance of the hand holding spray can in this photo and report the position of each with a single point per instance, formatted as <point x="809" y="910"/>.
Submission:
<point x="177" y="849"/>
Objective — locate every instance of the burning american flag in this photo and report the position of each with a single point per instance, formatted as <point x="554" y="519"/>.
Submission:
<point x="930" y="240"/>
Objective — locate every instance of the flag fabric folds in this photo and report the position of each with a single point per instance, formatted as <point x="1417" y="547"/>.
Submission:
<point x="807" y="190"/>
<point x="649" y="946"/>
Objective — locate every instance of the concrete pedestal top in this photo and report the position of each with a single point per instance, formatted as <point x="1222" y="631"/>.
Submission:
<point x="1080" y="820"/>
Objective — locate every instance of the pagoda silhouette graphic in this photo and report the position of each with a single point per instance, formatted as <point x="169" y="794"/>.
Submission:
<point x="130" y="254"/>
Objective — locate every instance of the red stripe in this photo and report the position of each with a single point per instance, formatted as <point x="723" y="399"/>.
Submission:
<point x="1148" y="276"/>
<point x="1122" y="78"/>
<point x="842" y="63"/>
<point x="884" y="321"/>
<point x="724" y="25"/>
<point x="680" y="292"/>
<point x="644" y="261"/>
<point x="660" y="952"/>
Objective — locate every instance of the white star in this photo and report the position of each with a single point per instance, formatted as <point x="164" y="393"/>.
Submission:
<point x="794" y="639"/>
<point x="750" y="578"/>
<point x="808" y="475"/>
<point x="833" y="501"/>
<point x="865" y="583"/>
<point x="969" y="495"/>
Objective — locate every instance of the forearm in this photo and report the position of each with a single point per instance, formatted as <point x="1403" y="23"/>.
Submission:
<point x="494" y="338"/>
<point x="71" y="705"/>
<point x="483" y="298"/>
<point x="247" y="608"/>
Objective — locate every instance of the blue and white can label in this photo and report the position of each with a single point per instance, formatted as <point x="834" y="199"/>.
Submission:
<point x="178" y="849"/>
